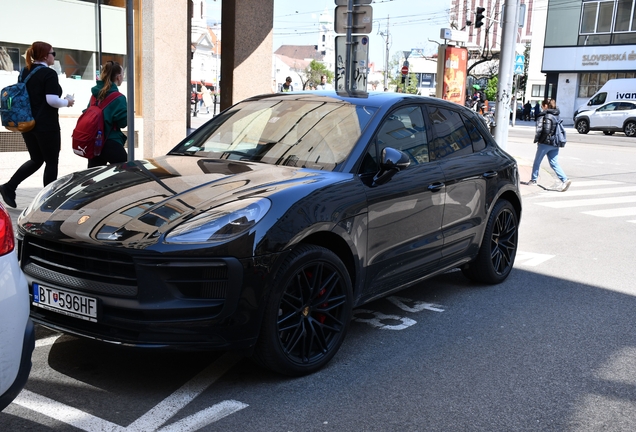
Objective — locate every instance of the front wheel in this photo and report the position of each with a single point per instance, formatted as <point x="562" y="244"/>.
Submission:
<point x="307" y="314"/>
<point x="582" y="126"/>
<point x="498" y="249"/>
<point x="630" y="129"/>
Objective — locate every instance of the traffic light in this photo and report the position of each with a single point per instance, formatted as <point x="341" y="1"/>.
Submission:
<point x="479" y="17"/>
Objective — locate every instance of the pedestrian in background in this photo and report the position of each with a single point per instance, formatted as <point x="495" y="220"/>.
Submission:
<point x="324" y="85"/>
<point x="44" y="141"/>
<point x="287" y="85"/>
<point x="115" y="116"/>
<point x="527" y="109"/>
<point x="537" y="111"/>
<point x="546" y="124"/>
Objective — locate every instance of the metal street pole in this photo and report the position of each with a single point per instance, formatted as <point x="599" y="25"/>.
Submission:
<point x="506" y="69"/>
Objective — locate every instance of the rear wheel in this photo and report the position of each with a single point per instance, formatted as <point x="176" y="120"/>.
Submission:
<point x="630" y="129"/>
<point x="582" y="126"/>
<point x="307" y="314"/>
<point x="498" y="247"/>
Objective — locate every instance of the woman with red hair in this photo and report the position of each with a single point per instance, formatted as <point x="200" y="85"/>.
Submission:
<point x="43" y="141"/>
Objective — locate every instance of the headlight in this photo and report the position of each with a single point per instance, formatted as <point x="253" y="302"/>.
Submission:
<point x="221" y="223"/>
<point x="44" y="194"/>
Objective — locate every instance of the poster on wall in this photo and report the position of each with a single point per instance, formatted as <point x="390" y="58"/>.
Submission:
<point x="9" y="59"/>
<point x="455" y="63"/>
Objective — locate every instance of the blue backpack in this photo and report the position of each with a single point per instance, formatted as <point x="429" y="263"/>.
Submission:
<point x="15" y="107"/>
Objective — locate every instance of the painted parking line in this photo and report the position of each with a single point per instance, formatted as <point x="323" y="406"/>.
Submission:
<point x="155" y="418"/>
<point x="64" y="413"/>
<point x="531" y="259"/>
<point x="205" y="417"/>
<point x="47" y="341"/>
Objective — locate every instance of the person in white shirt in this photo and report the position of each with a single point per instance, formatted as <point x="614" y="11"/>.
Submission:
<point x="324" y="85"/>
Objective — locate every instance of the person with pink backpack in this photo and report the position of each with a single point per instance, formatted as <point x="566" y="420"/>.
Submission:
<point x="115" y="116"/>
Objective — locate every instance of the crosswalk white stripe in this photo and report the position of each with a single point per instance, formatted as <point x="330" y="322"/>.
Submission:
<point x="585" y="183"/>
<point x="602" y="191"/>
<point x="616" y="212"/>
<point x="590" y="202"/>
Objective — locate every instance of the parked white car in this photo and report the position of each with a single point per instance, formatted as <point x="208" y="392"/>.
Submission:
<point x="616" y="116"/>
<point x="17" y="334"/>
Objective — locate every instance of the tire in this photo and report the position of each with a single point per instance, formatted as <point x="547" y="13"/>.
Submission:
<point x="498" y="249"/>
<point x="630" y="128"/>
<point x="605" y="132"/>
<point x="307" y="314"/>
<point x="582" y="126"/>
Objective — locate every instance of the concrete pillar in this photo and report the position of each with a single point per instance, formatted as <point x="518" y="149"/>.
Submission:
<point x="246" y="49"/>
<point x="165" y="53"/>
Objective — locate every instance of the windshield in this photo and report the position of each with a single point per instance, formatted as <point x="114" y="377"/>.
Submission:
<point x="301" y="133"/>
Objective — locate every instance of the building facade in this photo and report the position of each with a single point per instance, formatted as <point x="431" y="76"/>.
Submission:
<point x="587" y="43"/>
<point x="87" y="33"/>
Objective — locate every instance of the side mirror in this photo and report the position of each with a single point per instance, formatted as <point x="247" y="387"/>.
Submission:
<point x="392" y="161"/>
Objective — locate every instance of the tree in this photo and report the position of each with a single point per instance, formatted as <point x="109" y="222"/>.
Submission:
<point x="491" y="88"/>
<point x="313" y="73"/>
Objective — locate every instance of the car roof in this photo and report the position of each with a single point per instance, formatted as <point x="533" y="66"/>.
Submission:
<point x="374" y="99"/>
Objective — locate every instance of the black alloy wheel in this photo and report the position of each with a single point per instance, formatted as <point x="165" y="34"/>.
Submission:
<point x="308" y="312"/>
<point x="498" y="248"/>
<point x="630" y="129"/>
<point x="582" y="126"/>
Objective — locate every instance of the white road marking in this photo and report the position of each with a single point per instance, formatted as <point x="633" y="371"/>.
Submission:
<point x="602" y="191"/>
<point x="531" y="259"/>
<point x="590" y="202"/>
<point x="153" y="419"/>
<point x="617" y="212"/>
<point x="46" y="341"/>
<point x="205" y="417"/>
<point x="167" y="408"/>
<point x="634" y="221"/>
<point x="417" y="306"/>
<point x="585" y="183"/>
<point x="378" y="317"/>
<point x="64" y="413"/>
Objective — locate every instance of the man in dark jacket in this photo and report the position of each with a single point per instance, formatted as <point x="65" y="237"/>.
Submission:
<point x="546" y="124"/>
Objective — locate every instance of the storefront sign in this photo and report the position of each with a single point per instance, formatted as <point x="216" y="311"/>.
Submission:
<point x="589" y="58"/>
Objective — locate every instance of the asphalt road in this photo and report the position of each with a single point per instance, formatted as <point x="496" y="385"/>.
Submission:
<point x="552" y="348"/>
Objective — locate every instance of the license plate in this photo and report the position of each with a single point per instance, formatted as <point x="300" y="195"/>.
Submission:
<point x="65" y="302"/>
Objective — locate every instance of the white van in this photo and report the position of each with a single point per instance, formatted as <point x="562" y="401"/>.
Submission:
<point x="612" y="90"/>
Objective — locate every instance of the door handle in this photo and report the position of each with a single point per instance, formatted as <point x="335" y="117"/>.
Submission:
<point x="435" y="187"/>
<point x="490" y="174"/>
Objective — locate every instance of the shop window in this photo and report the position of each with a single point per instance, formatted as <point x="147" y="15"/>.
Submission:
<point x="590" y="83"/>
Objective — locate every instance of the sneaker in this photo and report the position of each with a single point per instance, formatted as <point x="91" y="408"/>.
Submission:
<point x="532" y="183"/>
<point x="7" y="197"/>
<point x="565" y="185"/>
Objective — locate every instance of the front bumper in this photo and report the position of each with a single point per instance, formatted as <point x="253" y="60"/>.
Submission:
<point x="181" y="302"/>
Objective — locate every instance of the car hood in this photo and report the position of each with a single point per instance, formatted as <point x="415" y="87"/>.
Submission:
<point x="137" y="201"/>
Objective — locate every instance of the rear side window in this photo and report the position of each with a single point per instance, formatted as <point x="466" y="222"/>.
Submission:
<point x="479" y="143"/>
<point x="451" y="138"/>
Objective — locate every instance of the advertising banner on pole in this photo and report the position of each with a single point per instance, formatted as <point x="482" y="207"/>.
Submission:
<point x="454" y="83"/>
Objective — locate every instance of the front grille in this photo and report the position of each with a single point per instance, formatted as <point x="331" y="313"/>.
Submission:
<point x="99" y="265"/>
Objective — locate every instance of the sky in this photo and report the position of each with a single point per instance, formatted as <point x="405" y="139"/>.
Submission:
<point x="411" y="23"/>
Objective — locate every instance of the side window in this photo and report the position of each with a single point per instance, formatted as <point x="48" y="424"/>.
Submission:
<point x="405" y="130"/>
<point x="451" y="137"/>
<point x="479" y="143"/>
